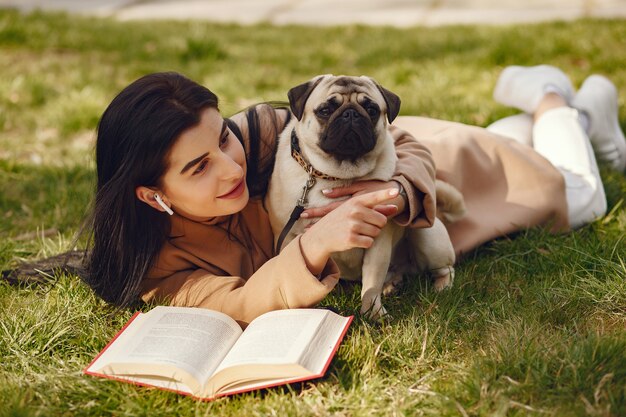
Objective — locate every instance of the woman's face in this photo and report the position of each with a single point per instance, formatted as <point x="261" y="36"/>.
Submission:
<point x="207" y="170"/>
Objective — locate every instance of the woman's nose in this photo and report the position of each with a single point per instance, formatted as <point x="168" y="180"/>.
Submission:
<point x="230" y="168"/>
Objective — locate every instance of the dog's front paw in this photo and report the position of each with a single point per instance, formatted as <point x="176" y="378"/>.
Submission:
<point x="374" y="314"/>
<point x="373" y="308"/>
<point x="443" y="278"/>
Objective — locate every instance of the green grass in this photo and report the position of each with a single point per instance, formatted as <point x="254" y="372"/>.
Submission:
<point x="535" y="324"/>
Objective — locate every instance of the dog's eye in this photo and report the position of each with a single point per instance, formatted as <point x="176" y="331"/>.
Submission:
<point x="372" y="111"/>
<point x="323" y="112"/>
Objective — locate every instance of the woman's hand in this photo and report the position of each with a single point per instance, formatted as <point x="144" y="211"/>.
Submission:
<point x="355" y="189"/>
<point x="353" y="224"/>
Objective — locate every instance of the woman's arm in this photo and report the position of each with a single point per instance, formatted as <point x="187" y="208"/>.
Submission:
<point x="282" y="282"/>
<point x="187" y="274"/>
<point x="415" y="171"/>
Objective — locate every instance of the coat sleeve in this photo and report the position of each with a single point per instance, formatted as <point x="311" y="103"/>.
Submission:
<point x="282" y="282"/>
<point x="415" y="170"/>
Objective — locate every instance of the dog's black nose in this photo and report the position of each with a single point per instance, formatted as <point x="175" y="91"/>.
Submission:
<point x="350" y="114"/>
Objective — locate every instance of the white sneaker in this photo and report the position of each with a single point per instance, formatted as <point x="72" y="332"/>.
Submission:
<point x="597" y="98"/>
<point x="524" y="87"/>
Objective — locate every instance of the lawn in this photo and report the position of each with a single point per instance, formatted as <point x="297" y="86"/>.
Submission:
<point x="535" y="324"/>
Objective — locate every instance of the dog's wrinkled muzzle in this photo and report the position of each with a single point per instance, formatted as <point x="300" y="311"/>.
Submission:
<point x="350" y="134"/>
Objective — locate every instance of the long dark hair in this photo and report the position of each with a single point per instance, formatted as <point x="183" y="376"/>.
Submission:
<point x="135" y="135"/>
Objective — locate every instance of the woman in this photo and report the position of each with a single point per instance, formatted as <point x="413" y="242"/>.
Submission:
<point x="163" y="147"/>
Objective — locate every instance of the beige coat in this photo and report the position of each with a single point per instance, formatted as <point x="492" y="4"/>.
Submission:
<point x="228" y="264"/>
<point x="507" y="186"/>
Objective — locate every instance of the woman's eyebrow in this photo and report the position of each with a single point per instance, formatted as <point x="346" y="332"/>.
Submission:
<point x="201" y="157"/>
<point x="193" y="162"/>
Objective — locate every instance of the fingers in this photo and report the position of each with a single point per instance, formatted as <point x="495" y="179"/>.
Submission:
<point x="377" y="217"/>
<point x="358" y="187"/>
<point x="320" y="211"/>
<point x="376" y="197"/>
<point x="373" y="217"/>
<point x="362" y="242"/>
<point x="341" y="191"/>
<point x="369" y="199"/>
<point x="355" y="224"/>
<point x="387" y="209"/>
<point x="367" y="230"/>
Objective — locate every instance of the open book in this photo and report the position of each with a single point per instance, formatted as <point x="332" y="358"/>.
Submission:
<point x="205" y="354"/>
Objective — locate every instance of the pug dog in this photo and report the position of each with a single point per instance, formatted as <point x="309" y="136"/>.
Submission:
<point x="339" y="134"/>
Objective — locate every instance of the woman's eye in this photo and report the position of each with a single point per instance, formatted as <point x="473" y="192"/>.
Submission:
<point x="201" y="167"/>
<point x="224" y="139"/>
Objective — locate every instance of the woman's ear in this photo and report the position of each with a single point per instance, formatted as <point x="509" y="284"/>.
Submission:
<point x="146" y="195"/>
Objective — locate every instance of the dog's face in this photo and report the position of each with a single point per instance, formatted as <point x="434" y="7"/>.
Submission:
<point x="343" y="117"/>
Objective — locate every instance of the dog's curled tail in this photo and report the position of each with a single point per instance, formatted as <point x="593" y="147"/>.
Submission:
<point x="450" y="202"/>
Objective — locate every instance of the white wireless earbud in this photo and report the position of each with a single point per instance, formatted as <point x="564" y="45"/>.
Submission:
<point x="161" y="203"/>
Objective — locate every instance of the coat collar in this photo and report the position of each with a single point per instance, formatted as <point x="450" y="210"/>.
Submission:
<point x="179" y="223"/>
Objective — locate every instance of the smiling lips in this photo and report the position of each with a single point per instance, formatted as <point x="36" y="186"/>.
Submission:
<point x="236" y="191"/>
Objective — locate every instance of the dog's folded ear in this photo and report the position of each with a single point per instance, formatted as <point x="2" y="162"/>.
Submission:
<point x="299" y="95"/>
<point x="392" y="101"/>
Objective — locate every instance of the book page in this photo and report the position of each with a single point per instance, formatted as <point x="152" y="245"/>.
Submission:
<point x="192" y="340"/>
<point x="159" y="382"/>
<point x="278" y="337"/>
<point x="125" y="336"/>
<point x="286" y="345"/>
<point x="324" y="342"/>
